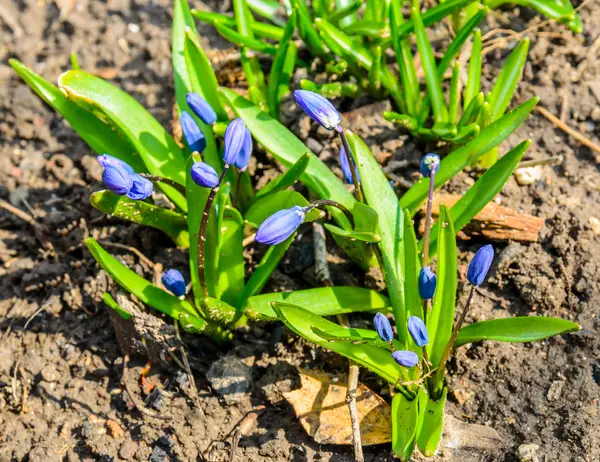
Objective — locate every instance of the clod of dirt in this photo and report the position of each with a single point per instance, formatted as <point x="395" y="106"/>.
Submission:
<point x="231" y="378"/>
<point x="528" y="453"/>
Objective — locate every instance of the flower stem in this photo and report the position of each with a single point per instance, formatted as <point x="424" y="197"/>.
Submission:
<point x="323" y="202"/>
<point x="155" y="178"/>
<point x="202" y="234"/>
<point x="426" y="234"/>
<point x="359" y="194"/>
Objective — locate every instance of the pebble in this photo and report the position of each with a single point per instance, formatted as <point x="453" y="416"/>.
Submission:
<point x="595" y="224"/>
<point x="230" y="377"/>
<point x="555" y="390"/>
<point x="314" y="145"/>
<point x="528" y="452"/>
<point x="158" y="455"/>
<point x="128" y="449"/>
<point x="50" y="374"/>
<point x="528" y="175"/>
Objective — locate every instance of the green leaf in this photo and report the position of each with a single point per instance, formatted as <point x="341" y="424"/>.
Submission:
<point x="412" y="265"/>
<point x="260" y="29"/>
<point x="157" y="148"/>
<point x="324" y="301"/>
<point x="251" y="43"/>
<point x="364" y="236"/>
<point x="302" y="321"/>
<point x="267" y="205"/>
<point x="307" y="30"/>
<point x="277" y="67"/>
<point x="365" y="218"/>
<point x="356" y="336"/>
<point x="441" y="319"/>
<point x="506" y="83"/>
<point x="473" y="111"/>
<point x="562" y="12"/>
<point x="332" y="90"/>
<point x="97" y="134"/>
<point x="231" y="273"/>
<point x="454" y="95"/>
<point x="489" y="137"/>
<point x="474" y="74"/>
<point x="268" y="9"/>
<point x="519" y="329"/>
<point x="112" y="303"/>
<point x="405" y="414"/>
<point x="170" y="222"/>
<point x="406" y="121"/>
<point x="341" y="13"/>
<point x="289" y="64"/>
<point x="286" y="179"/>
<point x="381" y="197"/>
<point x="482" y="192"/>
<point x="431" y="413"/>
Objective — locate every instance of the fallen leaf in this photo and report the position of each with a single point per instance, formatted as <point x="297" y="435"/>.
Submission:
<point x="320" y="404"/>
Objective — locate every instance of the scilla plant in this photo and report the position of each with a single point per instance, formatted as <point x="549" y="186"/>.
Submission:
<point x="423" y="303"/>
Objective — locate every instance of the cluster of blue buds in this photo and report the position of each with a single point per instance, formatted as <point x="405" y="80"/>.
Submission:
<point x="319" y="109"/>
<point x="119" y="178"/>
<point x="281" y="225"/>
<point x="427" y="283"/>
<point x="417" y="330"/>
<point x="174" y="282"/>
<point x="346" y="167"/>
<point x="480" y="265"/>
<point x="430" y="163"/>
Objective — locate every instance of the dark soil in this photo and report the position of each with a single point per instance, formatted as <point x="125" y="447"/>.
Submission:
<point x="61" y="396"/>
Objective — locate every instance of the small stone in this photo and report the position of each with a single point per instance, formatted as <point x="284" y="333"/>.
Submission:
<point x="462" y="396"/>
<point x="528" y="452"/>
<point x="50" y="374"/>
<point x="115" y="429"/>
<point x="528" y="175"/>
<point x="158" y="455"/>
<point x="314" y="145"/>
<point x="155" y="399"/>
<point x="555" y="390"/>
<point x="230" y="377"/>
<point x="128" y="449"/>
<point x="595" y="224"/>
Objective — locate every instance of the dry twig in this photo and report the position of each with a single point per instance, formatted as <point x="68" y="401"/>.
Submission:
<point x="568" y="130"/>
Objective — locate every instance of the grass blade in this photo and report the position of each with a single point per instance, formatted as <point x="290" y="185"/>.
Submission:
<point x="260" y="29"/>
<point x="474" y="74"/>
<point x="275" y="75"/>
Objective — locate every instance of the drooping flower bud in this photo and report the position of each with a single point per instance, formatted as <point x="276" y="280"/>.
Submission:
<point x="418" y="331"/>
<point x="279" y="226"/>
<point x="243" y="157"/>
<point x="405" y="358"/>
<point x="117" y="180"/>
<point x="480" y="265"/>
<point x="201" y="108"/>
<point x="319" y="109"/>
<point x="140" y="189"/>
<point x="174" y="282"/>
<point x="427" y="283"/>
<point x="194" y="137"/>
<point x="204" y="175"/>
<point x="235" y="137"/>
<point x="106" y="159"/>
<point x="383" y="327"/>
<point x="430" y="163"/>
<point x="346" y="167"/>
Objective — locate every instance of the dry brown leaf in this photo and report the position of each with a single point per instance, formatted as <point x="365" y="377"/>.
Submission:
<point x="320" y="404"/>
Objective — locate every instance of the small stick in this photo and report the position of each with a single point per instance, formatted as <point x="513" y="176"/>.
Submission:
<point x="570" y="131"/>
<point x="164" y="180"/>
<point x="39" y="232"/>
<point x="564" y="107"/>
<point x="554" y="160"/>
<point x="187" y="368"/>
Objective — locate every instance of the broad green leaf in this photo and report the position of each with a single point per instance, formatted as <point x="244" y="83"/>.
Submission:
<point x="381" y="197"/>
<point x="411" y="262"/>
<point x="96" y="133"/>
<point x="474" y="74"/>
<point x="562" y="12"/>
<point x="365" y="218"/>
<point x="324" y="301"/>
<point x="251" y="43"/>
<point x="519" y="329"/>
<point x="506" y="83"/>
<point x="441" y="319"/>
<point x="142" y="289"/>
<point x="156" y="147"/>
<point x="275" y="75"/>
<point x="231" y="273"/>
<point x="260" y="29"/>
<point x="431" y="416"/>
<point x="170" y="222"/>
<point x="267" y="205"/>
<point x="112" y="303"/>
<point x="465" y="134"/>
<point x="481" y="193"/>
<point x="489" y="137"/>
<point x="405" y="415"/>
<point x="287" y="179"/>
<point x="364" y="236"/>
<point x="302" y="321"/>
<point x="356" y="336"/>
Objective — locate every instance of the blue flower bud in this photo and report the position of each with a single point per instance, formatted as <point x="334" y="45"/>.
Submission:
<point x="235" y="137"/>
<point x="346" y="167"/>
<point x="418" y="331"/>
<point x="117" y="180"/>
<point x="480" y="265"/>
<point x="194" y="137"/>
<point x="383" y="327"/>
<point x="243" y="157"/>
<point x="430" y="163"/>
<point x="427" y="283"/>
<point x="279" y="226"/>
<point x="204" y="175"/>
<point x="319" y="109"/>
<point x="140" y="189"/>
<point x="201" y="108"/>
<point x="406" y="358"/>
<point x="174" y="282"/>
<point x="106" y="159"/>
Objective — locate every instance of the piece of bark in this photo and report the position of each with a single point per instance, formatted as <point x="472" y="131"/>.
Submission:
<point x="493" y="222"/>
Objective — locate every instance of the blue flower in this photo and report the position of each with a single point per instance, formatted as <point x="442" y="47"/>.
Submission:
<point x="383" y="327"/>
<point x="430" y="163"/>
<point x="279" y="226"/>
<point x="194" y="137"/>
<point x="243" y="157"/>
<point x="201" y="108"/>
<point x="117" y="180"/>
<point x="418" y="331"/>
<point x="106" y="159"/>
<point x="406" y="358"/>
<point x="427" y="283"/>
<point x="140" y="189"/>
<point x="204" y="175"/>
<point x="319" y="109"/>
<point x="235" y="140"/>
<point x="480" y="265"/>
<point x="174" y="282"/>
<point x="346" y="167"/>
